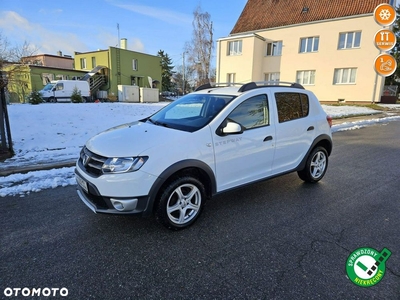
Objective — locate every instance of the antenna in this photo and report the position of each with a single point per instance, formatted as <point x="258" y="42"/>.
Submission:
<point x="119" y="46"/>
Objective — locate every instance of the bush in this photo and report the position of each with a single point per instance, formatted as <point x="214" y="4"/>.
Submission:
<point x="76" y="96"/>
<point x="35" y="97"/>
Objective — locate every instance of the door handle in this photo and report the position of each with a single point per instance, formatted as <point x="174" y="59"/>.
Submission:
<point x="268" y="138"/>
<point x="310" y="128"/>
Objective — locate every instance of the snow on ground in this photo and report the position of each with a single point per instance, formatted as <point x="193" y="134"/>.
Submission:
<point x="49" y="133"/>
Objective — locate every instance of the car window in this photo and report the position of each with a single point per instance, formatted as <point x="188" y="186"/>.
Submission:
<point x="59" y="86"/>
<point x="291" y="106"/>
<point x="191" y="112"/>
<point x="185" y="110"/>
<point x="252" y="113"/>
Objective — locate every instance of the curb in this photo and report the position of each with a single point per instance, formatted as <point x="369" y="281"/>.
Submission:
<point x="41" y="167"/>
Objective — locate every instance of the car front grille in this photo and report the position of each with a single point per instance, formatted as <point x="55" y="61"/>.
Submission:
<point x="91" y="162"/>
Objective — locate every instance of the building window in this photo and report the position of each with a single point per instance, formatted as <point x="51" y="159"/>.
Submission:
<point x="274" y="48"/>
<point x="230" y="78"/>
<point x="235" y="48"/>
<point x="306" y="77"/>
<point x="345" y="76"/>
<point x="62" y="77"/>
<point x="93" y="62"/>
<point x="309" y="44"/>
<point x="272" y="76"/>
<point x="83" y="63"/>
<point x="291" y="106"/>
<point x="348" y="40"/>
<point x="134" y="64"/>
<point x="47" y="77"/>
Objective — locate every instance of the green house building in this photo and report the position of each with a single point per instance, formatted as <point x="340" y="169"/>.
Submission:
<point x="118" y="66"/>
<point x="105" y="70"/>
<point x="25" y="78"/>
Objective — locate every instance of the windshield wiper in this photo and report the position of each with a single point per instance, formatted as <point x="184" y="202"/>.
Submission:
<point x="158" y="123"/>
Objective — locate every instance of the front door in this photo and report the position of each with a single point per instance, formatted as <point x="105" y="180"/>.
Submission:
<point x="248" y="156"/>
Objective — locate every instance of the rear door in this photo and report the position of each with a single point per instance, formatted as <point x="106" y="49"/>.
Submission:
<point x="295" y="130"/>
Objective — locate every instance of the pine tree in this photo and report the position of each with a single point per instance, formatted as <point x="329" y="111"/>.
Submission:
<point x="35" y="97"/>
<point x="166" y="70"/>
<point x="76" y="96"/>
<point x="395" y="52"/>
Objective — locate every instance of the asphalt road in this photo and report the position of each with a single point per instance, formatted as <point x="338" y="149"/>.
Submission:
<point x="280" y="239"/>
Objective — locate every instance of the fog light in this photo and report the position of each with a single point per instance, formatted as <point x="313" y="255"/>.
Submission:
<point x="124" y="205"/>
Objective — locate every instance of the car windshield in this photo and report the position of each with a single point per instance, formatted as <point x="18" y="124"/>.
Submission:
<point x="191" y="112"/>
<point x="48" y="87"/>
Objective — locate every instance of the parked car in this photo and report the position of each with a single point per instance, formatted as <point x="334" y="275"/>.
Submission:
<point x="62" y="90"/>
<point x="205" y="143"/>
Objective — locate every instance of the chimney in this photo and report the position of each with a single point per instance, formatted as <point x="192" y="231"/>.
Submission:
<point x="59" y="53"/>
<point x="124" y="43"/>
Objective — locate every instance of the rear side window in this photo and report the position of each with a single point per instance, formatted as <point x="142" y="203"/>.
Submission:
<point x="291" y="106"/>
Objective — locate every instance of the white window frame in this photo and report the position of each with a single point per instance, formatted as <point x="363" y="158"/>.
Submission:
<point x="305" y="77"/>
<point x="345" y="76"/>
<point x="135" y="64"/>
<point x="311" y="44"/>
<point x="235" y="48"/>
<point x="274" y="49"/>
<point x="230" y="77"/>
<point x="273" y="77"/>
<point x="83" y="63"/>
<point x="347" y="40"/>
<point x="49" y="77"/>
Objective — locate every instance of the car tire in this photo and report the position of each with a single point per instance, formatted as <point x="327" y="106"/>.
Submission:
<point x="52" y="100"/>
<point x="181" y="203"/>
<point x="316" y="166"/>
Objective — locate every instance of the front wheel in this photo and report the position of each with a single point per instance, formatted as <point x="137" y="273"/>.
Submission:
<point x="181" y="203"/>
<point x="316" y="165"/>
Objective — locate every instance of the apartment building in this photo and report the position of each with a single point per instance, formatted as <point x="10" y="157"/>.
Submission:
<point x="325" y="45"/>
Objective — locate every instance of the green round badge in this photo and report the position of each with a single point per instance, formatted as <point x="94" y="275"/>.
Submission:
<point x="366" y="267"/>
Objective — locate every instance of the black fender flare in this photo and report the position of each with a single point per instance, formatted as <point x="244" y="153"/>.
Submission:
<point x="171" y="170"/>
<point x="323" y="139"/>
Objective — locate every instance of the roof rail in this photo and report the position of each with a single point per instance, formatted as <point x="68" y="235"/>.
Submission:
<point x="259" y="84"/>
<point x="210" y="85"/>
<point x="248" y="86"/>
<point x="251" y="85"/>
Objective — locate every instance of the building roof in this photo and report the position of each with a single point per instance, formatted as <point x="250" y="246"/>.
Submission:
<point x="265" y="14"/>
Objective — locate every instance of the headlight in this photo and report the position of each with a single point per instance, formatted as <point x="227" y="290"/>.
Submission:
<point x="123" y="164"/>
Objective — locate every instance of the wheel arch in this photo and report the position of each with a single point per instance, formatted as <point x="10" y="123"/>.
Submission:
<point x="192" y="167"/>
<point x="323" y="140"/>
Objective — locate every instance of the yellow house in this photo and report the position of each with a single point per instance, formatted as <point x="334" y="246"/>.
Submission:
<point x="325" y="45"/>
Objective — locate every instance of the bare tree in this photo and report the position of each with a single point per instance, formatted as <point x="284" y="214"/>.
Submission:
<point x="200" y="48"/>
<point x="14" y="65"/>
<point x="14" y="54"/>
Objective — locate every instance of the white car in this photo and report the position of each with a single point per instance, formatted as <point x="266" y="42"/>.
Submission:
<point x="207" y="142"/>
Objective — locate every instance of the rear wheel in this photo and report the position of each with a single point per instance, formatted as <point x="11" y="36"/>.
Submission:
<point x="181" y="203"/>
<point x="316" y="165"/>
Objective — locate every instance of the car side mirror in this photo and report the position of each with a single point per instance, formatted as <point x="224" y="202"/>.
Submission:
<point x="232" y="128"/>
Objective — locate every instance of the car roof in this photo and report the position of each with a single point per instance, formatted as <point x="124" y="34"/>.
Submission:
<point x="239" y="88"/>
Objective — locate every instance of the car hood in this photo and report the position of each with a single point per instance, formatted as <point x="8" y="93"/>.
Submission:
<point x="132" y="139"/>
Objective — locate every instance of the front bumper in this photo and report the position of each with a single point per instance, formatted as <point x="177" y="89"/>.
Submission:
<point x="93" y="199"/>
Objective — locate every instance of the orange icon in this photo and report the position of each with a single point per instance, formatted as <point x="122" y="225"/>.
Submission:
<point x="385" y="65"/>
<point x="385" y="40"/>
<point x="385" y="14"/>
